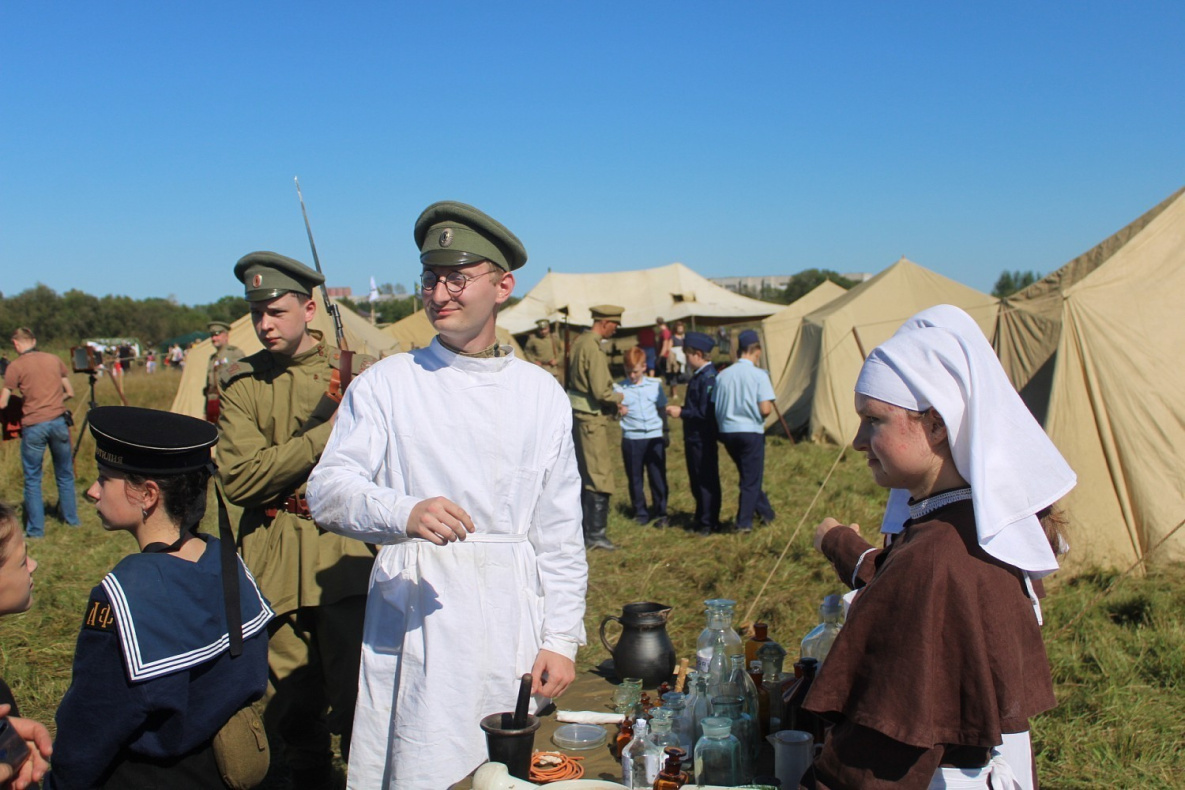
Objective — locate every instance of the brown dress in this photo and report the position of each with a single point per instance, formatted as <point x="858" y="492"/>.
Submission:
<point x="940" y="654"/>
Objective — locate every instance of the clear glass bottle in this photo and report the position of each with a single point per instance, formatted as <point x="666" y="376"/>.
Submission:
<point x="718" y="754"/>
<point x="682" y="721"/>
<point x="702" y="708"/>
<point x="743" y="728"/>
<point x="672" y="776"/>
<point x="817" y="644"/>
<point x="640" y="759"/>
<point x="719" y="621"/>
<point x="772" y="655"/>
<point x="718" y="666"/>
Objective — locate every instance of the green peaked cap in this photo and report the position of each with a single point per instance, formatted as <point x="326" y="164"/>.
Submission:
<point x="267" y="275"/>
<point x="449" y="233"/>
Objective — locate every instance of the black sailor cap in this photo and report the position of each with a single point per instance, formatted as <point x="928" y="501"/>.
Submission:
<point x="150" y="441"/>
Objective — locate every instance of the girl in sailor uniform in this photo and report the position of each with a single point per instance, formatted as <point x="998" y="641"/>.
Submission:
<point x="157" y="670"/>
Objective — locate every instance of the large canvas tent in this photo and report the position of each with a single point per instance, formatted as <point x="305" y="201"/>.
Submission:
<point x="362" y="337"/>
<point x="814" y="393"/>
<point x="673" y="292"/>
<point x="415" y="331"/>
<point x="781" y="331"/>
<point x="1094" y="348"/>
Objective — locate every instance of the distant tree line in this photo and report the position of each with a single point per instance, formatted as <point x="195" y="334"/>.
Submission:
<point x="72" y="317"/>
<point x="1011" y="282"/>
<point x="800" y="285"/>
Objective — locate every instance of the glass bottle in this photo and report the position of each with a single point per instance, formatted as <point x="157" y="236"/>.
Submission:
<point x="772" y="655"/>
<point x="762" y="698"/>
<point x="682" y="723"/>
<point x="662" y="731"/>
<point x="742" y="728"/>
<point x="796" y="717"/>
<point x="672" y="776"/>
<point x="701" y="709"/>
<point x="754" y="643"/>
<point x="719" y="621"/>
<point x="625" y="734"/>
<point x="817" y="644"/>
<point x="718" y="754"/>
<point x="718" y="666"/>
<point x="639" y="760"/>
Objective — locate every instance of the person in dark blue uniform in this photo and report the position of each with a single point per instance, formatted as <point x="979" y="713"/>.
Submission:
<point x="158" y="672"/>
<point x="699" y="432"/>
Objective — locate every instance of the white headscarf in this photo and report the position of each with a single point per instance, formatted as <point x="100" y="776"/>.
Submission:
<point x="941" y="359"/>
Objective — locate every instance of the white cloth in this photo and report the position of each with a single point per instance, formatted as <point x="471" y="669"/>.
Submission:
<point x="588" y="717"/>
<point x="996" y="775"/>
<point x="450" y="629"/>
<point x="1013" y="468"/>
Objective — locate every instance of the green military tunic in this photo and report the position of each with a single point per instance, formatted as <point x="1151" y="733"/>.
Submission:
<point x="541" y="350"/>
<point x="590" y="389"/>
<point x="220" y="359"/>
<point x="266" y="399"/>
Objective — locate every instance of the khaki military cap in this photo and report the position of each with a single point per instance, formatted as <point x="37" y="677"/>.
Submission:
<point x="267" y="275"/>
<point x="542" y="323"/>
<point x="449" y="233"/>
<point x="607" y="312"/>
<point x="216" y="327"/>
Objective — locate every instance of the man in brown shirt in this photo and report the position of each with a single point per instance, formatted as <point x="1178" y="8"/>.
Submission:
<point x="44" y="383"/>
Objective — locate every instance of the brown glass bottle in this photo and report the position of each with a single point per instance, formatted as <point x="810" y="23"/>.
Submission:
<point x="796" y="717"/>
<point x="754" y="643"/>
<point x="625" y="734"/>
<point x="672" y="776"/>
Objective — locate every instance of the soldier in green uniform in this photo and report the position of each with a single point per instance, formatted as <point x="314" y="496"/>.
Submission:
<point x="590" y="389"/>
<point x="223" y="356"/>
<point x="275" y="421"/>
<point x="545" y="350"/>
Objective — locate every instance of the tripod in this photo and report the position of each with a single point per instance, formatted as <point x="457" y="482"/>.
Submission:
<point x="92" y="403"/>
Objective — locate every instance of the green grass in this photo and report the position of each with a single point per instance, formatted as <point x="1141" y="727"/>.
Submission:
<point x="1119" y="670"/>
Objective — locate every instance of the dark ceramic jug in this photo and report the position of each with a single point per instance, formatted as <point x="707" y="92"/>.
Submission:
<point x="643" y="650"/>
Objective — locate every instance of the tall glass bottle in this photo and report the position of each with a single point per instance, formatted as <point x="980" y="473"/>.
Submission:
<point x="772" y="655"/>
<point x="682" y="719"/>
<point x="640" y="759"/>
<point x="718" y="755"/>
<point x="702" y="708"/>
<point x="762" y="698"/>
<point x="741" y="685"/>
<point x="743" y="727"/>
<point x="672" y="776"/>
<point x="817" y="643"/>
<point x="719" y="621"/>
<point x="662" y="733"/>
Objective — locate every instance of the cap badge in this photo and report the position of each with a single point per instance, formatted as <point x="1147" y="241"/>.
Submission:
<point x="257" y="281"/>
<point x="446" y="237"/>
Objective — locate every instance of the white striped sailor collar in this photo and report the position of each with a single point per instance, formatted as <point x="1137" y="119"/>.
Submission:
<point x="924" y="507"/>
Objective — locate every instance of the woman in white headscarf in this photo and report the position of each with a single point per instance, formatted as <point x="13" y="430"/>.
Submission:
<point x="941" y="654"/>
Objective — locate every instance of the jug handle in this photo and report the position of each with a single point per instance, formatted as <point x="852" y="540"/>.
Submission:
<point x="605" y="641"/>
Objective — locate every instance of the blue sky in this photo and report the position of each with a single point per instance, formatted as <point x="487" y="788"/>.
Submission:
<point x="146" y="146"/>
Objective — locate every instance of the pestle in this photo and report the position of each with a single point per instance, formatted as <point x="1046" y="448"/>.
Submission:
<point x="524" y="697"/>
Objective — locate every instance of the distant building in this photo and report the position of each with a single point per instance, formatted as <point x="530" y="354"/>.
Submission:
<point x="754" y="285"/>
<point x="858" y="277"/>
<point x="338" y="293"/>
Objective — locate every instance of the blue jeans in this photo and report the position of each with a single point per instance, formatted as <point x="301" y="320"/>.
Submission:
<point x="54" y="434"/>
<point x="747" y="451"/>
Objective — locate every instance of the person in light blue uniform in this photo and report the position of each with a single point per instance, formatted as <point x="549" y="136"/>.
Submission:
<point x="162" y="662"/>
<point x="699" y="432"/>
<point x="644" y="438"/>
<point x="744" y="397"/>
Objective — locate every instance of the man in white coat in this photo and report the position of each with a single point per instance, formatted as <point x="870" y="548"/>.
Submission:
<point x="457" y="460"/>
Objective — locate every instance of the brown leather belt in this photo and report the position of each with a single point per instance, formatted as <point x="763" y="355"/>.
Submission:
<point x="296" y="504"/>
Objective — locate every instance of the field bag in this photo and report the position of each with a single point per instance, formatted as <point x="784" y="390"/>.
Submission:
<point x="241" y="751"/>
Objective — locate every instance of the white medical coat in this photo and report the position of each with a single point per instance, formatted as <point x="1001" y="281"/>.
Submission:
<point x="450" y="629"/>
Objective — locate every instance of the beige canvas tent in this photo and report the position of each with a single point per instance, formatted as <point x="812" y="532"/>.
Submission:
<point x="673" y="292"/>
<point x="362" y="337"/>
<point x="414" y="331"/>
<point x="814" y="394"/>
<point x="781" y="331"/>
<point x="1113" y="385"/>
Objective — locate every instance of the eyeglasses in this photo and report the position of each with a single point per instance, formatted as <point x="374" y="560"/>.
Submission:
<point x="454" y="282"/>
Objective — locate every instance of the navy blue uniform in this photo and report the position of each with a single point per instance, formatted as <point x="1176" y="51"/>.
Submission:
<point x="153" y="677"/>
<point x="699" y="445"/>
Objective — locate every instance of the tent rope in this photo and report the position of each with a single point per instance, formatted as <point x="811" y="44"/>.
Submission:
<point x="793" y="535"/>
<point x="1114" y="582"/>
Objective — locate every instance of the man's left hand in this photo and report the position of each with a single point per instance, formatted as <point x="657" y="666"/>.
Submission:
<point x="552" y="674"/>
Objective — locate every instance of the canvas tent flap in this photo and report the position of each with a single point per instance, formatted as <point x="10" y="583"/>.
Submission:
<point x="415" y="331"/>
<point x="673" y="292"/>
<point x="362" y="337"/>
<point x="814" y="393"/>
<point x="780" y="332"/>
<point x="1116" y="409"/>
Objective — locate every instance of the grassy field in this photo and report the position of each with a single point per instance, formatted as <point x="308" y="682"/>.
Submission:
<point x="1118" y="660"/>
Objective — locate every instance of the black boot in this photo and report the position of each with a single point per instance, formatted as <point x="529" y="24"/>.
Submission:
<point x="594" y="528"/>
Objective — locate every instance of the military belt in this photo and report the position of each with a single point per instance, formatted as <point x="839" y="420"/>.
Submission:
<point x="583" y="402"/>
<point x="296" y="504"/>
